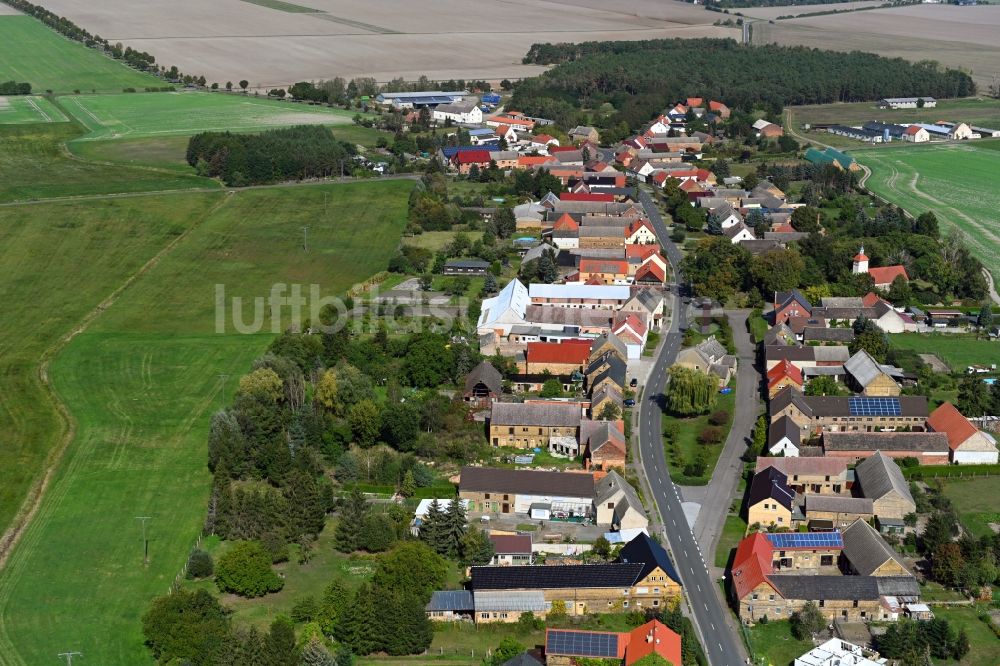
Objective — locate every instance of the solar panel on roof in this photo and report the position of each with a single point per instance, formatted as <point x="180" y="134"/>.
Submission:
<point x="806" y="540"/>
<point x="864" y="406"/>
<point x="581" y="643"/>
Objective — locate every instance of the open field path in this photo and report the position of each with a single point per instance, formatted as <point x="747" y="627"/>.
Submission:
<point x="31" y="503"/>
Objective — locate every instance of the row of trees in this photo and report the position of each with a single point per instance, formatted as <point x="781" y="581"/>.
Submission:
<point x="629" y="75"/>
<point x="295" y="153"/>
<point x="15" y="88"/>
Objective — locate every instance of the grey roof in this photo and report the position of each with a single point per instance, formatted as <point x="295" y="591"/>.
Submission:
<point x="898" y="586"/>
<point x="784" y="427"/>
<point x="866" y="550"/>
<point x="595" y="231"/>
<point x="523" y="659"/>
<point x="918" y="442"/>
<point x="711" y="348"/>
<point x="526" y="482"/>
<point x="541" y="413"/>
<point x="536" y="252"/>
<point x="569" y="576"/>
<point x="842" y="302"/>
<point x="839" y="504"/>
<point x="815" y="588"/>
<point x="608" y="390"/>
<point x="909" y="406"/>
<point x="467" y="263"/>
<point x="733" y="231"/>
<point x="863" y="368"/>
<point x="551" y="314"/>
<point x="879" y="475"/>
<point x="830" y="354"/>
<point x="790" y="396"/>
<point x="844" y="313"/>
<point x="510" y="600"/>
<point x="826" y="334"/>
<point x="611" y="484"/>
<point x="450" y="600"/>
<point x="762" y="245"/>
<point x="770" y="484"/>
<point x="779" y="335"/>
<point x="457" y="107"/>
<point x="486" y="374"/>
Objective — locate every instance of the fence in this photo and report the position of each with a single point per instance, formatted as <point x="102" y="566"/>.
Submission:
<point x="182" y="574"/>
<point x="951" y="471"/>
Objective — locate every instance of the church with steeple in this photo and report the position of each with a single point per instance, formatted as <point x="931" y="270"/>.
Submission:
<point x="883" y="275"/>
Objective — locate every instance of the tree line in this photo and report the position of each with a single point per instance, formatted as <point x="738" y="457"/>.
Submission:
<point x="15" y="88"/>
<point x="637" y="77"/>
<point x="295" y="153"/>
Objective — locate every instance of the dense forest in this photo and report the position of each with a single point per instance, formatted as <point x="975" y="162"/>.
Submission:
<point x="15" y="88"/>
<point x="296" y="153"/>
<point x="639" y="78"/>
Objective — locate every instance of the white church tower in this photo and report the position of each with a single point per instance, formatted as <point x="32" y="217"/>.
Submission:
<point x="860" y="262"/>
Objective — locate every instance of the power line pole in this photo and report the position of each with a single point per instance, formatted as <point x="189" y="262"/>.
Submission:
<point x="305" y="238"/>
<point x="69" y="656"/>
<point x="223" y="376"/>
<point x="145" y="541"/>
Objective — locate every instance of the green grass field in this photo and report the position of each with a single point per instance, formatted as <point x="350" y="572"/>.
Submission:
<point x="142" y="382"/>
<point x="688" y="443"/>
<point x="164" y="114"/>
<point x="27" y="109"/>
<point x="34" y="164"/>
<point x="985" y="646"/>
<point x="775" y="641"/>
<point x="956" y="181"/>
<point x="732" y="533"/>
<point x="30" y="51"/>
<point x="975" y="502"/>
<point x="957" y="350"/>
<point x="983" y="112"/>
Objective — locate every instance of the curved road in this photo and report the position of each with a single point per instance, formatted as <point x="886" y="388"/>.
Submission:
<point x="710" y="615"/>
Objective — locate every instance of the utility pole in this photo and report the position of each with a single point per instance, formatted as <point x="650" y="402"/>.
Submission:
<point x="305" y="238"/>
<point x="223" y="376"/>
<point x="145" y="541"/>
<point x="69" y="656"/>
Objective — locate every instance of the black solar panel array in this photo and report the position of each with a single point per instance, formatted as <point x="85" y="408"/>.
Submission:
<point x="581" y="643"/>
<point x="874" y="406"/>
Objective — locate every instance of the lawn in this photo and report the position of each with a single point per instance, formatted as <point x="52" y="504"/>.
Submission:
<point x="774" y="641"/>
<point x="956" y="181"/>
<point x="687" y="441"/>
<point x="35" y="165"/>
<point x="29" y="109"/>
<point x="733" y="531"/>
<point x="957" y="350"/>
<point x="975" y="500"/>
<point x="178" y="113"/>
<point x="985" y="645"/>
<point x="142" y="382"/>
<point x="30" y="51"/>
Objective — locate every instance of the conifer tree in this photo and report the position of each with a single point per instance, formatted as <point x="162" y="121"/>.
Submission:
<point x="352" y="517"/>
<point x="360" y="628"/>
<point x="454" y="530"/>
<point x="432" y="526"/>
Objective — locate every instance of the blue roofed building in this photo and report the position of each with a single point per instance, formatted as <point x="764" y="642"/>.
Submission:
<point x="417" y="100"/>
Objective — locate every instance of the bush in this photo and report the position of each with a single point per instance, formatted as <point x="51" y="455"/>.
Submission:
<point x="276" y="546"/>
<point x="719" y="417"/>
<point x="710" y="435"/>
<point x="246" y="570"/>
<point x="305" y="609"/>
<point x="200" y="564"/>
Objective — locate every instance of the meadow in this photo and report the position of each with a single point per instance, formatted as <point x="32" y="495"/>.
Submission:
<point x="34" y="164"/>
<point x="59" y="64"/>
<point x="957" y="350"/>
<point x="29" y="109"/>
<point x="136" y="115"/>
<point x="141" y="383"/>
<point x="974" y="110"/>
<point x="975" y="502"/>
<point x="956" y="181"/>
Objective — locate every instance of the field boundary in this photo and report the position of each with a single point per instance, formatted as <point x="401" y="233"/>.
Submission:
<point x="35" y="495"/>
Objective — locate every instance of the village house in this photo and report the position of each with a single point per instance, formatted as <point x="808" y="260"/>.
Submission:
<point x="817" y="414"/>
<point x="781" y="375"/>
<point x="603" y="443"/>
<point x="565" y="647"/>
<point x="606" y="399"/>
<point x="879" y="479"/>
<point x="483" y="385"/>
<point x="928" y="448"/>
<point x="806" y="357"/>
<point x="784" y="437"/>
<point x="810" y="475"/>
<point x="633" y="332"/>
<point x="643" y="577"/>
<point x="967" y="444"/>
<point x="867" y="554"/>
<point x="770" y="499"/>
<point x="466" y="159"/>
<point x="709" y="357"/>
<point x="526" y="425"/>
<point x="868" y="377"/>
<point x="837" y="652"/>
<point x="511" y="550"/>
<point x="557" y="358"/>
<point x="582" y="133"/>
<point x="617" y="504"/>
<point x="527" y="492"/>
<point x="827" y="512"/>
<point x="768" y="130"/>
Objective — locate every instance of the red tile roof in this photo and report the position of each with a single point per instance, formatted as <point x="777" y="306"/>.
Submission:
<point x="695" y="101"/>
<point x="561" y="149"/>
<point x="783" y="228"/>
<point x="751" y="564"/>
<point x="639" y="224"/>
<point x="640" y="251"/>
<point x="574" y="352"/>
<point x="631" y="321"/>
<point x="654" y="636"/>
<point x="543" y="139"/>
<point x="886" y="274"/>
<point x="608" y="266"/>
<point x="691" y="186"/>
<point x="650" y="270"/>
<point x="870" y="299"/>
<point x="566" y="223"/>
<point x="912" y="129"/>
<point x="473" y="157"/>
<point x="534" y="160"/>
<point x="717" y="106"/>
<point x="783" y="370"/>
<point x="948" y="419"/>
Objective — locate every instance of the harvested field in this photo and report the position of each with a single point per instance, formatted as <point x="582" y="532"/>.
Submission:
<point x="961" y="37"/>
<point x="6" y="10"/>
<point x="273" y="43"/>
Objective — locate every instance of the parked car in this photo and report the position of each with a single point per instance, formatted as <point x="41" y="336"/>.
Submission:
<point x="629" y="402"/>
<point x="634" y="382"/>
